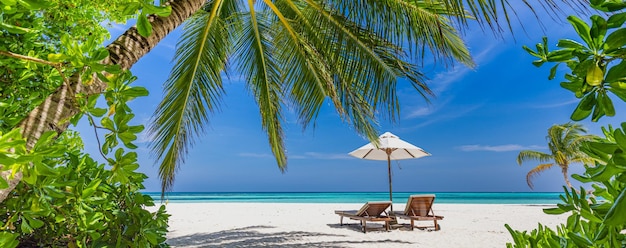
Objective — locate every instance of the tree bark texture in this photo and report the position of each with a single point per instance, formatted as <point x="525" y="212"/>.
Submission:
<point x="57" y="109"/>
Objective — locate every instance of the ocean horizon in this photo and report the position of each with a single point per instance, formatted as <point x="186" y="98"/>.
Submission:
<point x="359" y="197"/>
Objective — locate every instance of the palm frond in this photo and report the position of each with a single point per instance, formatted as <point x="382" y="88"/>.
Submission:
<point x="415" y="25"/>
<point x="494" y="15"/>
<point x="306" y="75"/>
<point x="536" y="171"/>
<point x="526" y="155"/>
<point x="254" y="50"/>
<point x="192" y="91"/>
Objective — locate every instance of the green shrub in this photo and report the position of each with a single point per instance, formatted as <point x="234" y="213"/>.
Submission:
<point x="597" y="76"/>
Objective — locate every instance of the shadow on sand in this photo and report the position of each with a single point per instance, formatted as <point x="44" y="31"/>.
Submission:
<point x="262" y="236"/>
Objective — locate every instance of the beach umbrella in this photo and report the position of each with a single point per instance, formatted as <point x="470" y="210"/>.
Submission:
<point x="390" y="147"/>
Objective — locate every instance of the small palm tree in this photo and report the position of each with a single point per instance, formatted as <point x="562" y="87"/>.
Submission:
<point x="564" y="142"/>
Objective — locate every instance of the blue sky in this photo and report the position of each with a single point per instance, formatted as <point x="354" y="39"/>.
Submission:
<point x="474" y="128"/>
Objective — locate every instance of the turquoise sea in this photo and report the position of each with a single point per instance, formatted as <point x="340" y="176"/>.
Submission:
<point x="360" y="197"/>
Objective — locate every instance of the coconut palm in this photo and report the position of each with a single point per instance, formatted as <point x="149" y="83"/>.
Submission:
<point x="564" y="142"/>
<point x="298" y="54"/>
<point x="363" y="36"/>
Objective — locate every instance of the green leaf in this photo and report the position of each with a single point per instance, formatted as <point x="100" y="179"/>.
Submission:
<point x="580" y="240"/>
<point x="9" y="2"/>
<point x="598" y="30"/>
<point x="127" y="137"/>
<point x="616" y="20"/>
<point x="583" y="110"/>
<point x="9" y="240"/>
<point x="531" y="52"/>
<point x="620" y="139"/>
<point x="585" y="213"/>
<point x="30" y="178"/>
<point x="44" y="170"/>
<point x="101" y="54"/>
<point x="136" y="92"/>
<point x="3" y="183"/>
<point x="567" y="43"/>
<point x="572" y="86"/>
<point x="553" y="210"/>
<point x="25" y="227"/>
<point x="144" y="28"/>
<point x="91" y="188"/>
<point x="136" y="129"/>
<point x="553" y="72"/>
<point x="616" y="39"/>
<point x="560" y="55"/>
<point x="602" y="149"/>
<point x="54" y="192"/>
<point x="57" y="57"/>
<point x="35" y="223"/>
<point x="605" y="102"/>
<point x="35" y="4"/>
<point x="617" y="214"/>
<point x="14" y="29"/>
<point x="107" y="123"/>
<point x="582" y="179"/>
<point x="610" y="6"/>
<point x="582" y="29"/>
<point x="98" y="112"/>
<point x="598" y="112"/>
<point x="617" y="72"/>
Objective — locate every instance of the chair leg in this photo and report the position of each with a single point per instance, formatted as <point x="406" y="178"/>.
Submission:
<point x="341" y="220"/>
<point x="412" y="224"/>
<point x="436" y="226"/>
<point x="364" y="224"/>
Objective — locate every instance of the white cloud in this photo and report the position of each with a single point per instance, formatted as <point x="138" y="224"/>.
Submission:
<point x="556" y="105"/>
<point x="418" y="112"/>
<point x="499" y="148"/>
<point x="447" y="116"/>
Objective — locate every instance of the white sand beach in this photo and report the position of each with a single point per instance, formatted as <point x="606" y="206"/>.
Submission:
<point x="316" y="225"/>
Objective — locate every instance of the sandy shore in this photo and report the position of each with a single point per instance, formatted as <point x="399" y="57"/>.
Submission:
<point x="316" y="225"/>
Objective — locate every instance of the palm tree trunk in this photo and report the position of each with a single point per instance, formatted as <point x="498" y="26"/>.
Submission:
<point x="564" y="170"/>
<point x="54" y="113"/>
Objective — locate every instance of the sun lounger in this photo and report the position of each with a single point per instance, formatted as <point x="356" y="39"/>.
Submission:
<point x="419" y="208"/>
<point x="371" y="211"/>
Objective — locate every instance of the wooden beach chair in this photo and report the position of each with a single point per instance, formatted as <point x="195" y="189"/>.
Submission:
<point x="371" y="211"/>
<point x="419" y="208"/>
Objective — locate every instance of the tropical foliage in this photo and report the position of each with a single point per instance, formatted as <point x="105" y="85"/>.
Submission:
<point x="564" y="143"/>
<point x="596" y="68"/>
<point x="67" y="198"/>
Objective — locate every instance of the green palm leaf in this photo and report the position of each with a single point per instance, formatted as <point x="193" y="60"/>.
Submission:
<point x="254" y="50"/>
<point x="193" y="90"/>
<point x="533" y="155"/>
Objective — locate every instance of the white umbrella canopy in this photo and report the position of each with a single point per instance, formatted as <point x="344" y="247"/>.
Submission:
<point x="390" y="147"/>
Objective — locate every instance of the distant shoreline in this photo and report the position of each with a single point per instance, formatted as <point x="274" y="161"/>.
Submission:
<point x="524" y="198"/>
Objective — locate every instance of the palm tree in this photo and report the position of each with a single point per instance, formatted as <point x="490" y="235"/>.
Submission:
<point x="298" y="55"/>
<point x="356" y="107"/>
<point x="564" y="142"/>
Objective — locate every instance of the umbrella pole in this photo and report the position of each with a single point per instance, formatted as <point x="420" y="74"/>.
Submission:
<point x="389" y="173"/>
